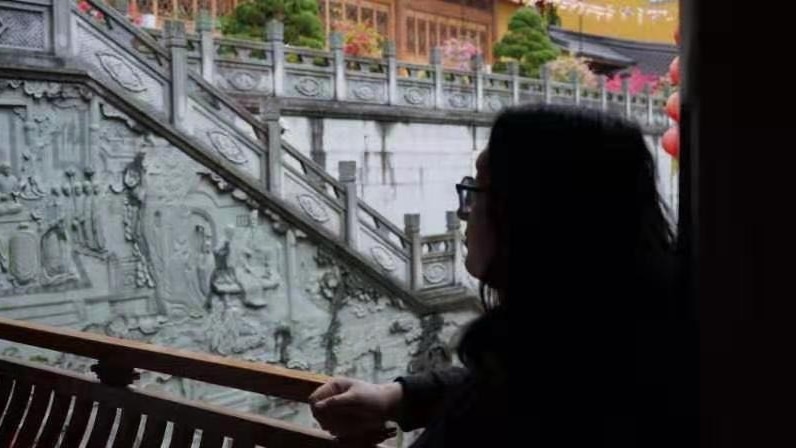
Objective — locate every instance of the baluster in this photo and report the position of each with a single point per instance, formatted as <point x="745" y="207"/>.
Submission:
<point x="626" y="91"/>
<point x="205" y="26"/>
<point x="392" y="72"/>
<point x="347" y="173"/>
<point x="454" y="229"/>
<point x="176" y="43"/>
<point x="336" y="44"/>
<point x="648" y="94"/>
<point x="514" y="71"/>
<point x="271" y="169"/>
<point x="412" y="228"/>
<point x="62" y="29"/>
<point x="479" y="82"/>
<point x="576" y="87"/>
<point x="603" y="94"/>
<point x="275" y="35"/>
<point x="548" y="88"/>
<point x="436" y="63"/>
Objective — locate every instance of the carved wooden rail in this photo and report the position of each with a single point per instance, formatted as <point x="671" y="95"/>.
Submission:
<point x="44" y="403"/>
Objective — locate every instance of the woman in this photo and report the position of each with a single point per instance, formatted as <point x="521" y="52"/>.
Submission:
<point x="582" y="343"/>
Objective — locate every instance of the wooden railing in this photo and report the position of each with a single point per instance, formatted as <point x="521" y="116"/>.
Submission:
<point x="47" y="404"/>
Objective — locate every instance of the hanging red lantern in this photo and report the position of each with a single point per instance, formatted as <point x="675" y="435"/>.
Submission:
<point x="671" y="142"/>
<point x="673" y="106"/>
<point x="677" y="36"/>
<point x="674" y="71"/>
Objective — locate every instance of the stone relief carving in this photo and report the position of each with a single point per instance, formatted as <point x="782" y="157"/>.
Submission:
<point x="313" y="208"/>
<point x="308" y="87"/>
<point x="415" y="96"/>
<point x="383" y="258"/>
<point x="122" y="72"/>
<point x="228" y="147"/>
<point x="24" y="29"/>
<point x="435" y="273"/>
<point x="366" y="92"/>
<point x="459" y="100"/>
<point x="494" y="103"/>
<point x="243" y="81"/>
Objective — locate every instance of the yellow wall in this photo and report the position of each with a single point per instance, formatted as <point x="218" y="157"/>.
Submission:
<point x="660" y="31"/>
<point x="503" y="12"/>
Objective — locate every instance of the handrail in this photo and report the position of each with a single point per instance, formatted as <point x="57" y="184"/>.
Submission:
<point x="253" y="377"/>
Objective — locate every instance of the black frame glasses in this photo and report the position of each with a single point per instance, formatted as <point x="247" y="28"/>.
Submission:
<point x="465" y="190"/>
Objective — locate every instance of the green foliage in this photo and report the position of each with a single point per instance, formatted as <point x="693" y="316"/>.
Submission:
<point x="303" y="26"/>
<point x="527" y="42"/>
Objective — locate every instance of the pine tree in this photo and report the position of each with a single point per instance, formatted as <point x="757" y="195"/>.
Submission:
<point x="303" y="27"/>
<point x="527" y="42"/>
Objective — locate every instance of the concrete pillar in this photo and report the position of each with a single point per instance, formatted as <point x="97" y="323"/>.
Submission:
<point x="514" y="71"/>
<point x="650" y="114"/>
<point x="347" y="172"/>
<point x="412" y="229"/>
<point x="478" y="63"/>
<point x="436" y="62"/>
<point x="392" y="72"/>
<point x="336" y="44"/>
<point x="576" y="87"/>
<point x="177" y="44"/>
<point x="275" y="36"/>
<point x="205" y="25"/>
<point x="271" y="171"/>
<point x="626" y="92"/>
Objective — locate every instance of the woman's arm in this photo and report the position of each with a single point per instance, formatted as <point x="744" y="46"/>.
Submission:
<point x="424" y="395"/>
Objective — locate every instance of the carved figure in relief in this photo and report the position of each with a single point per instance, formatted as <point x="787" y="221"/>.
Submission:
<point x="56" y="255"/>
<point x="223" y="280"/>
<point x="134" y="187"/>
<point x="257" y="275"/>
<point x="9" y="191"/>
<point x="23" y="256"/>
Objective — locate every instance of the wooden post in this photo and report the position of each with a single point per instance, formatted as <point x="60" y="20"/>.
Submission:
<point x="454" y="229"/>
<point x="347" y="174"/>
<point x="436" y="62"/>
<point x="205" y="25"/>
<point x="392" y="72"/>
<point x="177" y="44"/>
<point x="479" y="82"/>
<point x="272" y="171"/>
<point x="275" y="35"/>
<point x="412" y="229"/>
<point x="514" y="71"/>
<point x="336" y="44"/>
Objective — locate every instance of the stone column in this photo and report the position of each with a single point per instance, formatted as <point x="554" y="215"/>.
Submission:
<point x="454" y="229"/>
<point x="478" y="63"/>
<point x="177" y="44"/>
<point x="347" y="172"/>
<point x="336" y="44"/>
<point x="436" y="62"/>
<point x="412" y="229"/>
<point x="603" y="94"/>
<point x="275" y="36"/>
<point x="272" y="168"/>
<point x="626" y="92"/>
<point x="650" y="111"/>
<point x="392" y="72"/>
<point x="204" y="23"/>
<point x="514" y="71"/>
<point x="62" y="29"/>
<point x="548" y="89"/>
<point x="576" y="88"/>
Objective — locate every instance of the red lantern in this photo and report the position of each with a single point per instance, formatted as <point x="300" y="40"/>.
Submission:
<point x="677" y="36"/>
<point x="673" y="106"/>
<point x="674" y="71"/>
<point x="671" y="142"/>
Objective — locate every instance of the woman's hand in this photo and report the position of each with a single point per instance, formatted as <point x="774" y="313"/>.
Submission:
<point x="356" y="410"/>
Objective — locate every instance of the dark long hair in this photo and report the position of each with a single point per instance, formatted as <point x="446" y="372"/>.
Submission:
<point x="574" y="200"/>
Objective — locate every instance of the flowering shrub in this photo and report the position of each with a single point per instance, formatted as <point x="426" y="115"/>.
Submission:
<point x="359" y="39"/>
<point x="86" y="7"/>
<point x="637" y="81"/>
<point x="562" y="67"/>
<point x="459" y="53"/>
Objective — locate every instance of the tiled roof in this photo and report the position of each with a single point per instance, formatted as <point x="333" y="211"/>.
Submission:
<point x="652" y="58"/>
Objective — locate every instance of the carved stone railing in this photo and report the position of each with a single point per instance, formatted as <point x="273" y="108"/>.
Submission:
<point x="158" y="78"/>
<point x="44" y="404"/>
<point x="271" y="69"/>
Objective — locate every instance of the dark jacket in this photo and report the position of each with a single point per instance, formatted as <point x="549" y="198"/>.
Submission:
<point x="573" y="382"/>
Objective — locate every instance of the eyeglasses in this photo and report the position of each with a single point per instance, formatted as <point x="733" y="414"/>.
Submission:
<point x="466" y="191"/>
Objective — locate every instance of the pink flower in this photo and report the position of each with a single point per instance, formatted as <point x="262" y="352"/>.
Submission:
<point x="84" y="6"/>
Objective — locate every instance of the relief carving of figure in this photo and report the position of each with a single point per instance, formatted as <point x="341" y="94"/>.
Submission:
<point x="9" y="191"/>
<point x="223" y="281"/>
<point x="134" y="186"/>
<point x="57" y="264"/>
<point x="257" y="275"/>
<point x="198" y="268"/>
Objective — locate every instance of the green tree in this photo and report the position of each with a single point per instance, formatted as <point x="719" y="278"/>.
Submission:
<point x="303" y="26"/>
<point x="526" y="42"/>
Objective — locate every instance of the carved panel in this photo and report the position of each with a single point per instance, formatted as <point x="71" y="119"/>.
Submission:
<point x="121" y="72"/>
<point x="313" y="207"/>
<point x="436" y="273"/>
<point x="460" y="100"/>
<point x="368" y="91"/>
<point x="383" y="258"/>
<point x="23" y="29"/>
<point x="228" y="147"/>
<point x="416" y="96"/>
<point x="299" y="85"/>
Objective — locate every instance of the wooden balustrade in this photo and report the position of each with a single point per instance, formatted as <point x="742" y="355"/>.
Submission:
<point x="48" y="403"/>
